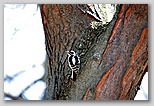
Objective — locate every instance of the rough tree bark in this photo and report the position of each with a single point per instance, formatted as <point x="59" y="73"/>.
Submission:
<point x="114" y="57"/>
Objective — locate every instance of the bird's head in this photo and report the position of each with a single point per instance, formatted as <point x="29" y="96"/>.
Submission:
<point x="71" y="52"/>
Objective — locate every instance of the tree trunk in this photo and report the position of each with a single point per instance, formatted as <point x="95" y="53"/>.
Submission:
<point x="114" y="57"/>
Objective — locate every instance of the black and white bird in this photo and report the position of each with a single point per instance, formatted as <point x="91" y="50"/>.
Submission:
<point x="74" y="63"/>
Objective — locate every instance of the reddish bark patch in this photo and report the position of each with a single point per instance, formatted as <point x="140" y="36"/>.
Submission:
<point x="138" y="59"/>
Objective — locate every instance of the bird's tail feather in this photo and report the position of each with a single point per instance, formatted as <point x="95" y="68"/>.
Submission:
<point x="73" y="76"/>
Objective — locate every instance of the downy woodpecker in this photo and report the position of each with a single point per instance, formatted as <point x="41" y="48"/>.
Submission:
<point x="74" y="63"/>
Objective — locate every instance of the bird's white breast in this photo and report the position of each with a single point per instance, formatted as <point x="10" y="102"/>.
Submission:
<point x="73" y="60"/>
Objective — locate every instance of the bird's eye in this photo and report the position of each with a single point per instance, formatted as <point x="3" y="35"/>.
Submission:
<point x="71" y="52"/>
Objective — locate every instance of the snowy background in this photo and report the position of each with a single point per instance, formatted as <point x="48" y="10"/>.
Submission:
<point x="24" y="54"/>
<point x="24" y="51"/>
